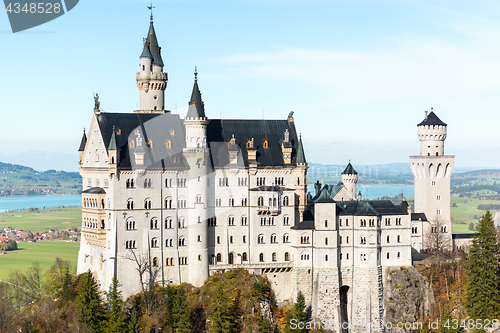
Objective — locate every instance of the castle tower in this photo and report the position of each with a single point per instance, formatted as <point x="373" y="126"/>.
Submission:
<point x="301" y="172"/>
<point x="350" y="179"/>
<point x="432" y="171"/>
<point x="196" y="154"/>
<point x="151" y="80"/>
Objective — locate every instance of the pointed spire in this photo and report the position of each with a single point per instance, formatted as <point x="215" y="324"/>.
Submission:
<point x="301" y="157"/>
<point x="196" y="107"/>
<point x="349" y="170"/>
<point x="84" y="142"/>
<point x="145" y="52"/>
<point x="112" y="142"/>
<point x="152" y="44"/>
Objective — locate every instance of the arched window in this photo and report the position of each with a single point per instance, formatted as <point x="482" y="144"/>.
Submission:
<point x="154" y="242"/>
<point x="304" y="239"/>
<point x="287" y="256"/>
<point x="130" y="204"/>
<point x="274" y="239"/>
<point x="219" y="257"/>
<point x="230" y="220"/>
<point x="261" y="257"/>
<point x="154" y="223"/>
<point x="260" y="239"/>
<point x="399" y="255"/>
<point x="231" y="202"/>
<point x="388" y="241"/>
<point x="231" y="258"/>
<point x="147" y="203"/>
<point x="244" y="220"/>
<point x="182" y="241"/>
<point x="274" y="257"/>
<point x="286" y="220"/>
<point x="168" y="223"/>
<point x="286" y="238"/>
<point x="155" y="262"/>
<point x="260" y="202"/>
<point x="244" y="256"/>
<point x="399" y="239"/>
<point x="286" y="201"/>
<point x="168" y="203"/>
<point x="326" y="240"/>
<point x="387" y="255"/>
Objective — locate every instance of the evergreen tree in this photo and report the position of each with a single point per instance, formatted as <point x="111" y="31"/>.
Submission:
<point x="223" y="317"/>
<point x="134" y="325"/>
<point x="447" y="325"/>
<point x="178" y="310"/>
<point x="471" y="226"/>
<point x="88" y="303"/>
<point x="300" y="311"/>
<point x="116" y="319"/>
<point x="483" y="290"/>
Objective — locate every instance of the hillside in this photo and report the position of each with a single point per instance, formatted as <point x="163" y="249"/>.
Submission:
<point x="22" y="180"/>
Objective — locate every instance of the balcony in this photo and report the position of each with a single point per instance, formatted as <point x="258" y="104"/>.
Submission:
<point x="268" y="210"/>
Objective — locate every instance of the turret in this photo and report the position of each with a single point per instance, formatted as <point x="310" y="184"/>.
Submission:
<point x="431" y="133"/>
<point x="301" y="174"/>
<point x="113" y="155"/>
<point x="151" y="80"/>
<point x="81" y="150"/>
<point x="350" y="179"/>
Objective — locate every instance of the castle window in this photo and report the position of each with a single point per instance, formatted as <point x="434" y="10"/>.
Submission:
<point x="130" y="224"/>
<point x="147" y="183"/>
<point x="388" y="255"/>
<point x="399" y="255"/>
<point x="154" y="242"/>
<point x="244" y="220"/>
<point x="261" y="257"/>
<point x="340" y="239"/>
<point x="286" y="220"/>
<point x="346" y="222"/>
<point x="363" y="257"/>
<point x="433" y="183"/>
<point x="230" y="220"/>
<point x="398" y="238"/>
<point x="132" y="144"/>
<point x="147" y="204"/>
<point x="231" y="258"/>
<point x="244" y="256"/>
<point x="218" y="239"/>
<point x="274" y="257"/>
<point x="243" y="202"/>
<point x="437" y="154"/>
<point x="183" y="260"/>
<point x="199" y="257"/>
<point x="340" y="222"/>
<point x="443" y="228"/>
<point x="212" y="222"/>
<point x="304" y="256"/>
<point x="326" y="257"/>
<point x="438" y="197"/>
<point x="347" y="256"/>
<point x="198" y="198"/>
<point x="287" y="256"/>
<point x="199" y="238"/>
<point x="155" y="262"/>
<point x="260" y="202"/>
<point x="274" y="239"/>
<point x="266" y="144"/>
<point x="326" y="223"/>
<point x="143" y="67"/>
<point x="286" y="238"/>
<point x="182" y="222"/>
<point x="154" y="223"/>
<point x="182" y="241"/>
<point x="260" y="239"/>
<point x="326" y="240"/>
<point x="168" y="223"/>
<point x="286" y="201"/>
<point x="304" y="239"/>
<point x="438" y="211"/>
<point x="231" y="202"/>
<point x="218" y="202"/>
<point x="340" y="256"/>
<point x="372" y="222"/>
<point x="388" y="239"/>
<point x="130" y="204"/>
<point x="413" y="230"/>
<point x="249" y="144"/>
<point x="168" y="144"/>
<point x="219" y="257"/>
<point x="244" y="239"/>
<point x="363" y="240"/>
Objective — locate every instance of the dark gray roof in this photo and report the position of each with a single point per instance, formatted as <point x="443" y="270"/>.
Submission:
<point x="323" y="197"/>
<point x="220" y="131"/>
<point x="83" y="142"/>
<point x="463" y="236"/>
<point x="165" y="127"/>
<point x="368" y="207"/>
<point x="95" y="190"/>
<point x="152" y="44"/>
<point x="328" y="190"/>
<point x="431" y="119"/>
<point x="349" y="170"/>
<point x="418" y="216"/>
<point x="145" y="52"/>
<point x="196" y="107"/>
<point x="112" y="142"/>
<point x="272" y="188"/>
<point x="304" y="225"/>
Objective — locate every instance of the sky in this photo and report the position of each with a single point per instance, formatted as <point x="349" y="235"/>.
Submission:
<point x="357" y="74"/>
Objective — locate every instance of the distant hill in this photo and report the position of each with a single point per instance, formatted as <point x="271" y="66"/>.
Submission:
<point x="22" y="180"/>
<point x="487" y="173"/>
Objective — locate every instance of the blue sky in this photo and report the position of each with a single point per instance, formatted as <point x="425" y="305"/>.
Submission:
<point x="358" y="74"/>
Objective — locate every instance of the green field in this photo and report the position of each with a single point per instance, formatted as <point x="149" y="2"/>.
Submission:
<point x="42" y="220"/>
<point x="465" y="212"/>
<point x="45" y="252"/>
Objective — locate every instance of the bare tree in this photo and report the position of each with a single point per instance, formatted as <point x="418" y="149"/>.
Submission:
<point x="148" y="273"/>
<point x="438" y="239"/>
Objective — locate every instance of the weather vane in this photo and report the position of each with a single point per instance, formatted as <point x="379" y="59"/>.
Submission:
<point x="151" y="9"/>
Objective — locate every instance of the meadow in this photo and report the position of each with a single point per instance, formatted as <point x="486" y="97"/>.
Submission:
<point x="45" y="252"/>
<point x="42" y="220"/>
<point x="465" y="210"/>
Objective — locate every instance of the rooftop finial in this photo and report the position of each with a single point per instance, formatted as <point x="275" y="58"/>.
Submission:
<point x="195" y="74"/>
<point x="151" y="9"/>
<point x="432" y="109"/>
<point x="84" y="130"/>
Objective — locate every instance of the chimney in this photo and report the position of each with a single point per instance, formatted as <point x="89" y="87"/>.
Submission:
<point x="426" y="114"/>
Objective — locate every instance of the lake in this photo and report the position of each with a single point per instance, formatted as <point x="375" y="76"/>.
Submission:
<point x="53" y="201"/>
<point x="39" y="201"/>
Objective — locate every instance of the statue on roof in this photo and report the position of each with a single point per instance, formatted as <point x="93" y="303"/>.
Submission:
<point x="290" y="115"/>
<point x="97" y="104"/>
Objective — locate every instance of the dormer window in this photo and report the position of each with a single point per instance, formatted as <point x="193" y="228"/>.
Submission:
<point x="266" y="144"/>
<point x="249" y="144"/>
<point x="172" y="132"/>
<point x="168" y="144"/>
<point x="132" y="144"/>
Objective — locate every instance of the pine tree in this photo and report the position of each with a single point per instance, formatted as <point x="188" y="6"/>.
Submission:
<point x="134" y="325"/>
<point x="179" y="312"/>
<point x="483" y="290"/>
<point x="300" y="312"/>
<point x="116" y="319"/>
<point x="448" y="325"/>
<point x="89" y="304"/>
<point x="222" y="319"/>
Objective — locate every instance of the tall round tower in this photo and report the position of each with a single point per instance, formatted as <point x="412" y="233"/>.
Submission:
<point x="350" y="179"/>
<point x="151" y="80"/>
<point x="432" y="171"/>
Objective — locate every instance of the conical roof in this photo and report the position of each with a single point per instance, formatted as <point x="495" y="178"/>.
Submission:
<point x="152" y="44"/>
<point x="112" y="142"/>
<point x="349" y="170"/>
<point x="145" y="52"/>
<point x="196" y="108"/>
<point x="301" y="157"/>
<point x="83" y="143"/>
<point x="432" y="119"/>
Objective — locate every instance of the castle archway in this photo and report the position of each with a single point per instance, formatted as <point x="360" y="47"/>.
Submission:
<point x="344" y="319"/>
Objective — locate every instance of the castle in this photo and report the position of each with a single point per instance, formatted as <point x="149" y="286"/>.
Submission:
<point x="181" y="198"/>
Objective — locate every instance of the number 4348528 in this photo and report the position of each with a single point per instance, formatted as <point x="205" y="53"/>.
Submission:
<point x="40" y="8"/>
